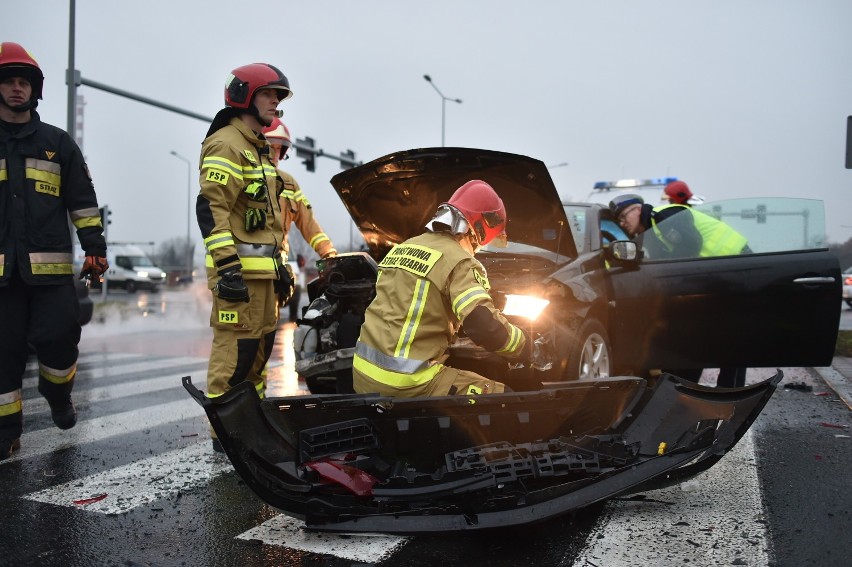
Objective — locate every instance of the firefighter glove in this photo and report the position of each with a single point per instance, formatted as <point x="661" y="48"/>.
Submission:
<point x="231" y="287"/>
<point x="257" y="191"/>
<point x="94" y="266"/>
<point x="255" y="219"/>
<point x="285" y="285"/>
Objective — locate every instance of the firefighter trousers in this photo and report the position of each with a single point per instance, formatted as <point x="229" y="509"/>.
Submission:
<point x="44" y="319"/>
<point x="243" y="336"/>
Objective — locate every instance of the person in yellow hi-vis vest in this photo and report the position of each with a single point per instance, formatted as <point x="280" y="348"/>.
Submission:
<point x="428" y="288"/>
<point x="679" y="231"/>
<point x="240" y="221"/>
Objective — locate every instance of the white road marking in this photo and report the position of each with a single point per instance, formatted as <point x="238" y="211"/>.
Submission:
<point x="85" y="357"/>
<point x="46" y="441"/>
<point x="114" y="372"/>
<point x="289" y="532"/>
<point x="140" y="482"/>
<point x="128" y="389"/>
<point x="713" y="519"/>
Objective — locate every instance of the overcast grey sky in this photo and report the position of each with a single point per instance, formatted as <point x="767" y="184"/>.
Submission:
<point x="736" y="97"/>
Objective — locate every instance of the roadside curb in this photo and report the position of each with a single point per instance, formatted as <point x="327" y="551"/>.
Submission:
<point x="837" y="382"/>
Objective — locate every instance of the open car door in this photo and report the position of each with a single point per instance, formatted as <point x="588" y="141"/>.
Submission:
<point x="778" y="305"/>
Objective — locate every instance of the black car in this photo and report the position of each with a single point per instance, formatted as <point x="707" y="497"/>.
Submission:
<point x="606" y="420"/>
<point x="604" y="315"/>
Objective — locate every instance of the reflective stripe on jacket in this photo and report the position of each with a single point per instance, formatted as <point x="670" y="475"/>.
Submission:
<point x="44" y="181"/>
<point x="232" y="158"/>
<point x="718" y="239"/>
<point x="426" y="288"/>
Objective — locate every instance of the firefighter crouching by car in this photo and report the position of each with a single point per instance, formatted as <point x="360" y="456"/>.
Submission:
<point x="427" y="289"/>
<point x="295" y="207"/>
<point x="44" y="181"/>
<point x="240" y="221"/>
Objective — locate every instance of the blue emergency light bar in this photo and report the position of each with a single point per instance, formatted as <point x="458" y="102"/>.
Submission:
<point x="628" y="183"/>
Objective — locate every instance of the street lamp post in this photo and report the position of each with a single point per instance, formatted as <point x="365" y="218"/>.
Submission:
<point x="444" y="100"/>
<point x="188" y="210"/>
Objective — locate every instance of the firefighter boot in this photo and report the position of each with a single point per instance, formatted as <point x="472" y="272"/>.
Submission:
<point x="63" y="413"/>
<point x="9" y="446"/>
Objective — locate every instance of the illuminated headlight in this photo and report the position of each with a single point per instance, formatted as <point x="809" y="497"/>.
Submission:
<point x="525" y="306"/>
<point x="142" y="274"/>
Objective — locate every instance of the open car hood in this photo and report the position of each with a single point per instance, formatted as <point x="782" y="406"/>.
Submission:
<point x="365" y="463"/>
<point x="393" y="197"/>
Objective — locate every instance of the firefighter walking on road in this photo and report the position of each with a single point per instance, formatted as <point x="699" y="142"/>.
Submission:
<point x="295" y="207"/>
<point x="44" y="181"/>
<point x="240" y="220"/>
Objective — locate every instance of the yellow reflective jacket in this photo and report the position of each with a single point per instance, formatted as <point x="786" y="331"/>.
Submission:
<point x="426" y="287"/>
<point x="232" y="158"/>
<point x="717" y="238"/>
<point x="295" y="208"/>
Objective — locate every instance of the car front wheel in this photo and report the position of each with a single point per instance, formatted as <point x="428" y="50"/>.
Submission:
<point x="589" y="356"/>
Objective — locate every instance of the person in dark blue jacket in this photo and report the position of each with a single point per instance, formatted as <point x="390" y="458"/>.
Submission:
<point x="44" y="182"/>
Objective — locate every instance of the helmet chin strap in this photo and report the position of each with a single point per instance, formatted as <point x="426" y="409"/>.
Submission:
<point x="26" y="107"/>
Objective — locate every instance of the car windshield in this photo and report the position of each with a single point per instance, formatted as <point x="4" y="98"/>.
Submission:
<point x="140" y="262"/>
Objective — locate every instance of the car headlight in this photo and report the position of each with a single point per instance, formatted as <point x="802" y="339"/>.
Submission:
<point x="142" y="274"/>
<point x="524" y="306"/>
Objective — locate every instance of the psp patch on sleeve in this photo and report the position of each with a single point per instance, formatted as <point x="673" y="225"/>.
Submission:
<point x="217" y="176"/>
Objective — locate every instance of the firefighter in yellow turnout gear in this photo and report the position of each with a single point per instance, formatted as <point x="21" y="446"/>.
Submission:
<point x="428" y="288"/>
<point x="240" y="221"/>
<point x="295" y="207"/>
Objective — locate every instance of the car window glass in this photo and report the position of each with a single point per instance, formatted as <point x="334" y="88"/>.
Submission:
<point x="750" y="225"/>
<point x="577" y="223"/>
<point x="773" y="224"/>
<point x="610" y="231"/>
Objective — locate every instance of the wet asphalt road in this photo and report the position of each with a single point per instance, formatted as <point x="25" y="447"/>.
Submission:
<point x="134" y="415"/>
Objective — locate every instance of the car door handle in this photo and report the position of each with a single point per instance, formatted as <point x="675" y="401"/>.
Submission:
<point x="811" y="281"/>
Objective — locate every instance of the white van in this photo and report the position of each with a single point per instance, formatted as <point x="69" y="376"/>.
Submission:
<point x="130" y="268"/>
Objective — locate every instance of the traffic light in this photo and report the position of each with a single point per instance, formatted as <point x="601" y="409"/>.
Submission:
<point x="347" y="159"/>
<point x="105" y="216"/>
<point x="310" y="156"/>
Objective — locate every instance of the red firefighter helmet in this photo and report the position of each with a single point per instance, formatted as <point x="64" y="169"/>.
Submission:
<point x="15" y="61"/>
<point x="678" y="192"/>
<point x="277" y="133"/>
<point x="244" y="81"/>
<point x="482" y="208"/>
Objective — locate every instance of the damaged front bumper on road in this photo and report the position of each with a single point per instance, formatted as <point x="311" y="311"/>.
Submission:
<point x="365" y="463"/>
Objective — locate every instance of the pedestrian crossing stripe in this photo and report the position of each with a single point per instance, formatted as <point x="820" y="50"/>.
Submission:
<point x="141" y="482"/>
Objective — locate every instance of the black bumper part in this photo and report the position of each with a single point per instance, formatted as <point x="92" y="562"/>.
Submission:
<point x="507" y="459"/>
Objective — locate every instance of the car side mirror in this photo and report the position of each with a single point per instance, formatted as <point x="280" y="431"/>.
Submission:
<point x="625" y="251"/>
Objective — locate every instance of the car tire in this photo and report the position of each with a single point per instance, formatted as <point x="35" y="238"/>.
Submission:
<point x="130" y="286"/>
<point x="590" y="354"/>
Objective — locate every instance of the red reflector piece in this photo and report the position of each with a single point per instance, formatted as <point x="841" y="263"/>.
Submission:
<point x="91" y="500"/>
<point x="357" y="481"/>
